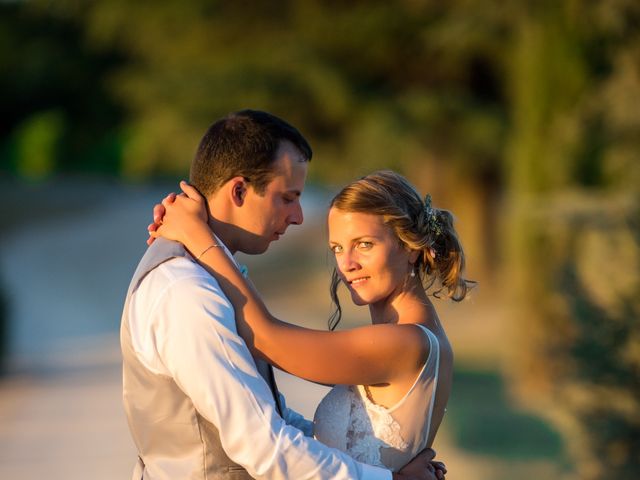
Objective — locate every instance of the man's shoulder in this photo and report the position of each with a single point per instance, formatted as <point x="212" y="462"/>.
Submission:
<point x="179" y="272"/>
<point x="181" y="281"/>
<point x="179" y="268"/>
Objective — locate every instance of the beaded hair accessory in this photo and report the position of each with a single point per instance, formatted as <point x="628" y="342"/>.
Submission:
<point x="432" y="219"/>
<point x="432" y="222"/>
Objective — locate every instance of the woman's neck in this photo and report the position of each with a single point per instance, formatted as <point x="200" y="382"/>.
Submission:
<point x="410" y="305"/>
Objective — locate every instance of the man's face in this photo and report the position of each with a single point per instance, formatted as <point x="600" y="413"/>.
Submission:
<point x="266" y="217"/>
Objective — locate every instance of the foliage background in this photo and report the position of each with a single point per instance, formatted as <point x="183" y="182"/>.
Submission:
<point x="520" y="116"/>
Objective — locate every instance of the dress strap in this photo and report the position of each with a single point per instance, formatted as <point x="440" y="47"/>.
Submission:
<point x="430" y="334"/>
<point x="434" y="352"/>
<point x="434" y="349"/>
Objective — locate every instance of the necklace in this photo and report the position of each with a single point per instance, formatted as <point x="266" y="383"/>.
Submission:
<point x="370" y="398"/>
<point x="368" y="393"/>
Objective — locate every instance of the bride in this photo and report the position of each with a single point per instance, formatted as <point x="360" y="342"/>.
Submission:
<point x="392" y="378"/>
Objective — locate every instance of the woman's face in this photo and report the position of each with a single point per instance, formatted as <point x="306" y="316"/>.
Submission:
<point x="369" y="258"/>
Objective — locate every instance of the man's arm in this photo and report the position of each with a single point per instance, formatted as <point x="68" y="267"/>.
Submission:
<point x="293" y="418"/>
<point x="197" y="344"/>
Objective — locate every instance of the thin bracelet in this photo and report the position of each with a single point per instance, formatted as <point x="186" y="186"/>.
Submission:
<point x="207" y="249"/>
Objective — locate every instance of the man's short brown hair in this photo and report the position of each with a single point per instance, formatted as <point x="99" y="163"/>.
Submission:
<point x="242" y="144"/>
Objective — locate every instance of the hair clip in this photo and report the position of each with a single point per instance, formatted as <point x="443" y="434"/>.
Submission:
<point x="432" y="218"/>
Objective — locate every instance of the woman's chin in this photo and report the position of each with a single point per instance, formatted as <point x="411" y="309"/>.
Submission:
<point x="358" y="300"/>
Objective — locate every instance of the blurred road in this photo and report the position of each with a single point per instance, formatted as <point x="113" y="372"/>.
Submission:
<point x="64" y="267"/>
<point x="65" y="421"/>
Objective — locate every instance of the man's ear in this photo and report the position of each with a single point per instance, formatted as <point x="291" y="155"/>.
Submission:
<point x="238" y="190"/>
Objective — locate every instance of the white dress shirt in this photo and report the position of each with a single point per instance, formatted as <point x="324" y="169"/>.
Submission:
<point x="183" y="326"/>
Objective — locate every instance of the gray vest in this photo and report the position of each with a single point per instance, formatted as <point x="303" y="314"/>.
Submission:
<point x="173" y="440"/>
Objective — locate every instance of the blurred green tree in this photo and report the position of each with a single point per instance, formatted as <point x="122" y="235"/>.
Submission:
<point x="574" y="256"/>
<point x="53" y="92"/>
<point x="37" y="143"/>
<point x="382" y="83"/>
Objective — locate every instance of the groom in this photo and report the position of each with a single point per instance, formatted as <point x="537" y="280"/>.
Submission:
<point x="199" y="406"/>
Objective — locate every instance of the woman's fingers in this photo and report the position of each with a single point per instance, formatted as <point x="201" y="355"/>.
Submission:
<point x="191" y="192"/>
<point x="152" y="230"/>
<point x="439" y="466"/>
<point x="170" y="215"/>
<point x="158" y="213"/>
<point x="168" y="200"/>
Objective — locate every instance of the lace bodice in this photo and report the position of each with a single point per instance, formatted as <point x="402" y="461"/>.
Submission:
<point x="386" y="437"/>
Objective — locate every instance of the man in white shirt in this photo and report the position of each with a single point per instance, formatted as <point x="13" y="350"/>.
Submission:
<point x="199" y="406"/>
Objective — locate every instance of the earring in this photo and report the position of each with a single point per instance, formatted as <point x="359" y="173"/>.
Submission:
<point x="413" y="273"/>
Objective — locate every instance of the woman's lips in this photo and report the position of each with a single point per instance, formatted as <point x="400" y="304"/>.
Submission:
<point x="358" y="281"/>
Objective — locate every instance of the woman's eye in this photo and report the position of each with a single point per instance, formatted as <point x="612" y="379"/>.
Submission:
<point x="336" y="249"/>
<point x="365" y="245"/>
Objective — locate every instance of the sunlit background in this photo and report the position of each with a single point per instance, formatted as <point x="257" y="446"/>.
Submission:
<point x="521" y="117"/>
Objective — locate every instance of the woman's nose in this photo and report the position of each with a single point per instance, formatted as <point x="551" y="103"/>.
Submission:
<point x="348" y="262"/>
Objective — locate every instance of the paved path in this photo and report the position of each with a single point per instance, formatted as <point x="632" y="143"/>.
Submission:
<point x="66" y="422"/>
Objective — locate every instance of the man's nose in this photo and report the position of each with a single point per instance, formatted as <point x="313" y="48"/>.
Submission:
<point x="296" y="217"/>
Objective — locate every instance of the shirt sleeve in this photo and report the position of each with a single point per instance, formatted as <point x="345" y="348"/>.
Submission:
<point x="293" y="418"/>
<point x="198" y="345"/>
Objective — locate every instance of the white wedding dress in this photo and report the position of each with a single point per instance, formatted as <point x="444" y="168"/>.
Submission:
<point x="386" y="437"/>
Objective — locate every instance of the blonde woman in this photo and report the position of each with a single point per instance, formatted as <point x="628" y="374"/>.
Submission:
<point x="392" y="378"/>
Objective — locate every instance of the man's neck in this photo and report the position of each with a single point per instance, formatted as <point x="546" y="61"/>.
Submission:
<point x="221" y="223"/>
<point x="224" y="233"/>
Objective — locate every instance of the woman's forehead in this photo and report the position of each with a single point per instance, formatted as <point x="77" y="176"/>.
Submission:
<point x="355" y="224"/>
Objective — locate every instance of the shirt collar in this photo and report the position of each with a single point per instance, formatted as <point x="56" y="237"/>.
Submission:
<point x="243" y="268"/>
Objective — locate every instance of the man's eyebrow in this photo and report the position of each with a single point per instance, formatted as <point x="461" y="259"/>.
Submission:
<point x="297" y="193"/>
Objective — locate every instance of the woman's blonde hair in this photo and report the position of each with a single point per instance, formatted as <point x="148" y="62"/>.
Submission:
<point x="417" y="225"/>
